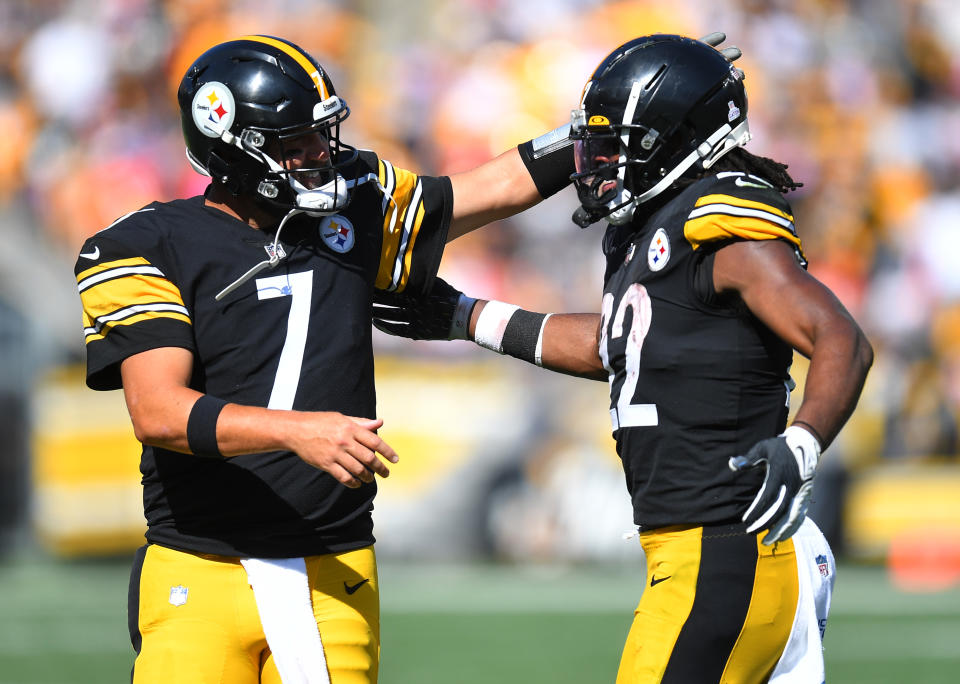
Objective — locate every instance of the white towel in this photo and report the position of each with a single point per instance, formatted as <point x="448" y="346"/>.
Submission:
<point x="282" y="592"/>
<point x="802" y="658"/>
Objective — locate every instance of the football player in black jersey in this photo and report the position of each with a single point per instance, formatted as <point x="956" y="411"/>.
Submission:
<point x="705" y="298"/>
<point x="237" y="324"/>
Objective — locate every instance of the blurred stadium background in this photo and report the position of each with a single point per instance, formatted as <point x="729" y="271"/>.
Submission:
<point x="500" y="533"/>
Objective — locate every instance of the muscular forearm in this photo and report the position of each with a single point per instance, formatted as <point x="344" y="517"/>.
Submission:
<point x="838" y="368"/>
<point x="167" y="413"/>
<point x="161" y="419"/>
<point x="567" y="344"/>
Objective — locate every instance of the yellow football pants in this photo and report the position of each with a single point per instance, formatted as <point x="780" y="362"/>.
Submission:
<point x="718" y="608"/>
<point x="193" y="618"/>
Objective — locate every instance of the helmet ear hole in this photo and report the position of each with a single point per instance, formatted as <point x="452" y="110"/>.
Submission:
<point x="224" y="173"/>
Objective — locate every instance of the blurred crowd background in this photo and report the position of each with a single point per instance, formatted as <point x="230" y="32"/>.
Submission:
<point x="858" y="97"/>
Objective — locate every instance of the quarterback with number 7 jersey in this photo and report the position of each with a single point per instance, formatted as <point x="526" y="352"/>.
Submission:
<point x="705" y="298"/>
<point x="238" y="324"/>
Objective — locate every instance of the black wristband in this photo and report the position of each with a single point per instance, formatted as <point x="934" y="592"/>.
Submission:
<point x="549" y="160"/>
<point x="202" y="426"/>
<point x="521" y="335"/>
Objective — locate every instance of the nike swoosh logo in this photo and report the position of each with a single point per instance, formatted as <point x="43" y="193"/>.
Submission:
<point x="654" y="581"/>
<point x="351" y="589"/>
<point x="93" y="256"/>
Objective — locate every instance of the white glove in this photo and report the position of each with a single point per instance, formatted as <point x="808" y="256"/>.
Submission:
<point x="791" y="463"/>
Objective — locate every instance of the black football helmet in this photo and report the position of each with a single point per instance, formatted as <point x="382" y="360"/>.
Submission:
<point x="245" y="103"/>
<point x="656" y="108"/>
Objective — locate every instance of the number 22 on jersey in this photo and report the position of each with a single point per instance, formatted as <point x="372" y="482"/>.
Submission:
<point x="625" y="413"/>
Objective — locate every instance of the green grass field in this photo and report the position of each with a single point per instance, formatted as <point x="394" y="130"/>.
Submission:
<point x="65" y="623"/>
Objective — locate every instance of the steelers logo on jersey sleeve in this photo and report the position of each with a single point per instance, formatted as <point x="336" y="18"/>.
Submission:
<point x="337" y="233"/>
<point x="658" y="254"/>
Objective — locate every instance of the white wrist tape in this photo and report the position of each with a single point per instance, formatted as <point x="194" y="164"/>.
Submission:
<point x="461" y="317"/>
<point x="805" y="448"/>
<point x="538" y="357"/>
<point x="492" y="323"/>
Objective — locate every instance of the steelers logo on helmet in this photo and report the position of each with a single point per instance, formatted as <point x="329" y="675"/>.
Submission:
<point x="337" y="233"/>
<point x="213" y="109"/>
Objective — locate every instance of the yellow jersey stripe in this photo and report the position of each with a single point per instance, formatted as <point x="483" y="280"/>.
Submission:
<point x="714" y="227"/>
<point x="397" y="247"/>
<point x="105" y="298"/>
<point x="298" y="57"/>
<point x="769" y="620"/>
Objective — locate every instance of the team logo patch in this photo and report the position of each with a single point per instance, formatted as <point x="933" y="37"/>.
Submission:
<point x="659" y="252"/>
<point x="213" y="109"/>
<point x="823" y="565"/>
<point x="178" y="595"/>
<point x="337" y="232"/>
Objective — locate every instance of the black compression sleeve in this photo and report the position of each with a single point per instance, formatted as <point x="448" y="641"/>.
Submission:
<point x="202" y="426"/>
<point x="521" y="335"/>
<point x="549" y="160"/>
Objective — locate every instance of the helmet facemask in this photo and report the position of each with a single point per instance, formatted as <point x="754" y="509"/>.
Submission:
<point x="605" y="164"/>
<point x="295" y="167"/>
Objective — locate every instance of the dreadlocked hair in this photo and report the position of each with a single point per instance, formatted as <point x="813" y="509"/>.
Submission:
<point x="738" y="159"/>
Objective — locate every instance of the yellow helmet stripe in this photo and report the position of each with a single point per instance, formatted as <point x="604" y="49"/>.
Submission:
<point x="298" y="57"/>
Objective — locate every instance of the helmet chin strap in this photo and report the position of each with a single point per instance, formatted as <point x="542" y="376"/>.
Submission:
<point x="327" y="199"/>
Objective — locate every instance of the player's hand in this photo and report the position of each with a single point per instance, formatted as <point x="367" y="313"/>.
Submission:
<point x="781" y="504"/>
<point x="347" y="447"/>
<point x="441" y="314"/>
<point x="732" y="53"/>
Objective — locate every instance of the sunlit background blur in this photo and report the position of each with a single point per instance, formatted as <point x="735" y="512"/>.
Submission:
<point x="500" y="461"/>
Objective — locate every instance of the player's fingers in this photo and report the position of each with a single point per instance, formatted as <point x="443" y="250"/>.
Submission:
<point x="356" y="461"/>
<point x="367" y="423"/>
<point x="343" y="475"/>
<point x="771" y="507"/>
<point x="374" y="442"/>
<point x="390" y="327"/>
<point x="364" y="463"/>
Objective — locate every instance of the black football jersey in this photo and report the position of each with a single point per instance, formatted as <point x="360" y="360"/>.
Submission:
<point x="695" y="378"/>
<point x="294" y="336"/>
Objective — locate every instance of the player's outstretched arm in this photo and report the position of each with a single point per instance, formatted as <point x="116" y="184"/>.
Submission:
<point x="565" y="343"/>
<point x="512" y="182"/>
<point x="167" y="413"/>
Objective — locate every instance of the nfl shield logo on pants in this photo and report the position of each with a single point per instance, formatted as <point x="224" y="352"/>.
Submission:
<point x="178" y="595"/>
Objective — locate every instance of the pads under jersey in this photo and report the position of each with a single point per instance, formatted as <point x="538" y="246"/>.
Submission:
<point x="294" y="336"/>
<point x="695" y="378"/>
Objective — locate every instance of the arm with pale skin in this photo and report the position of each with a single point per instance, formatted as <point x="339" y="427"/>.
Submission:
<point x="159" y="400"/>
<point x="492" y="191"/>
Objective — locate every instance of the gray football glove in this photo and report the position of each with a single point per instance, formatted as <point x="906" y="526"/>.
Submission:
<point x="791" y="463"/>
<point x="441" y="314"/>
<point x="732" y="53"/>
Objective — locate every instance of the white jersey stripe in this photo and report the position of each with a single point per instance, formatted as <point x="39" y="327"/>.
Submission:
<point x="128" y="311"/>
<point x="408" y="223"/>
<point x="111" y="273"/>
<point x="731" y="209"/>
